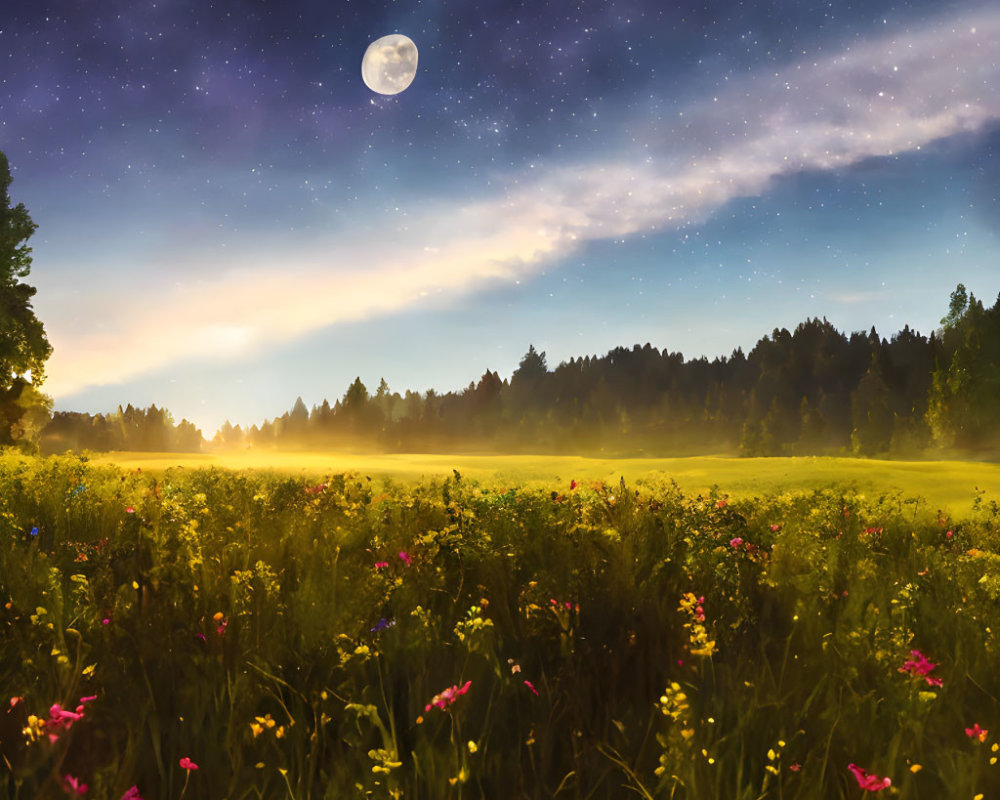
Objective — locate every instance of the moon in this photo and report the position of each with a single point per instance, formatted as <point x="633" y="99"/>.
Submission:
<point x="389" y="64"/>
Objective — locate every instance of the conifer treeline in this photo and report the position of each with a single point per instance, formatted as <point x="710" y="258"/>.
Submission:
<point x="810" y="391"/>
<point x="145" y="429"/>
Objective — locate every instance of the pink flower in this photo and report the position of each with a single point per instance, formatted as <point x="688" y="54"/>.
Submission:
<point x="975" y="732"/>
<point x="795" y="767"/>
<point x="129" y="510"/>
<point x="531" y="686"/>
<point x="775" y="528"/>
<point x="735" y="542"/>
<point x="381" y="564"/>
<point x="920" y="666"/>
<point x="405" y="558"/>
<point x="106" y="621"/>
<point x="132" y="794"/>
<point x="75" y="785"/>
<point x="448" y="696"/>
<point x="869" y="782"/>
<point x="187" y="763"/>
<point x="949" y="534"/>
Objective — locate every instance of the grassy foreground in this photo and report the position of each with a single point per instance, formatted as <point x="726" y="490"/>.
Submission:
<point x="347" y="637"/>
<point x="947" y="485"/>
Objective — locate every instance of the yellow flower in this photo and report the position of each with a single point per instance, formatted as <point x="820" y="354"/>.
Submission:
<point x="915" y="768"/>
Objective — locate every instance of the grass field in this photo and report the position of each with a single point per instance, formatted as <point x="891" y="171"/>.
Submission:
<point x="946" y="485"/>
<point x="190" y="634"/>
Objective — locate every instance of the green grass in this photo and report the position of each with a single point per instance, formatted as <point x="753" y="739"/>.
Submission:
<point x="948" y="485"/>
<point x="267" y="627"/>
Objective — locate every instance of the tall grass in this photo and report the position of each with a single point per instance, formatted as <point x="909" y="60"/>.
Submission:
<point x="291" y="637"/>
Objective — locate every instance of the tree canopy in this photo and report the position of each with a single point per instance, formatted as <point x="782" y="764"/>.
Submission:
<point x="24" y="346"/>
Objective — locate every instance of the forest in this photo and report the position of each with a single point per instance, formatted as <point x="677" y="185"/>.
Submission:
<point x="811" y="391"/>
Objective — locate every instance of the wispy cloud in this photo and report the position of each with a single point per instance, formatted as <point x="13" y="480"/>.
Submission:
<point x="877" y="97"/>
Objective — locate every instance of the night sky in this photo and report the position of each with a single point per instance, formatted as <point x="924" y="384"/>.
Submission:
<point x="228" y="217"/>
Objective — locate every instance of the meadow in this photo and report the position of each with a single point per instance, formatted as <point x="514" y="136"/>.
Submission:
<point x="260" y="633"/>
<point x="945" y="484"/>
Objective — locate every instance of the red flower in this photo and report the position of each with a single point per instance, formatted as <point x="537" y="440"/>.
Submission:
<point x="75" y="785"/>
<point x="867" y="781"/>
<point x="975" y="732"/>
<point x="572" y="485"/>
<point x="775" y="528"/>
<point x="187" y="763"/>
<point x="129" y="510"/>
<point x="132" y="794"/>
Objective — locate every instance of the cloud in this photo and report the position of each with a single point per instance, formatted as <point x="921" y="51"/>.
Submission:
<point x="877" y="97"/>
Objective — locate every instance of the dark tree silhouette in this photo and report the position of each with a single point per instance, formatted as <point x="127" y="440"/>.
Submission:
<point x="24" y="347"/>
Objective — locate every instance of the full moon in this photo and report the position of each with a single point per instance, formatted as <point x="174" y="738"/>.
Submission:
<point x="389" y="64"/>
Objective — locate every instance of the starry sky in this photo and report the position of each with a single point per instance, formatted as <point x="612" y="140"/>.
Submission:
<point x="229" y="218"/>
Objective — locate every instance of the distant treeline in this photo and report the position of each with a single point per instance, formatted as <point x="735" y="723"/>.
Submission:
<point x="811" y="391"/>
<point x="149" y="429"/>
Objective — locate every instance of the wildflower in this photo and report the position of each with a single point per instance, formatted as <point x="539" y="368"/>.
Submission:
<point x="975" y="732"/>
<point x="795" y="767"/>
<point x="200" y="636"/>
<point x="187" y="763"/>
<point x="261" y="724"/>
<point x="775" y="528"/>
<point x="949" y="534"/>
<point x="735" y="542"/>
<point x="915" y="768"/>
<point x="473" y="747"/>
<point x="405" y="558"/>
<point x="132" y="794"/>
<point x="34" y="532"/>
<point x="75" y="785"/>
<point x="721" y="504"/>
<point x="572" y="485"/>
<point x="448" y="696"/>
<point x="129" y="510"/>
<point x="919" y="665"/>
<point x="513" y="667"/>
<point x="381" y="564"/>
<point x="867" y="781"/>
<point x="106" y="621"/>
<point x="382" y="624"/>
<point x="531" y="686"/>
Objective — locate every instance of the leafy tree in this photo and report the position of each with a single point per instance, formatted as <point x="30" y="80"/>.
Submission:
<point x="24" y="347"/>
